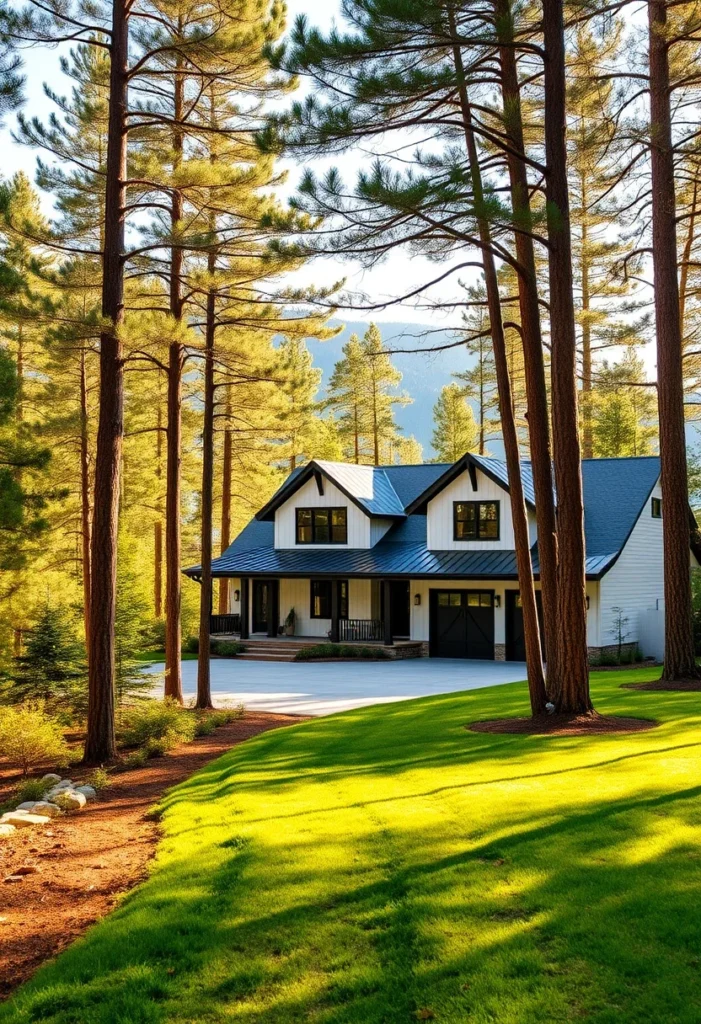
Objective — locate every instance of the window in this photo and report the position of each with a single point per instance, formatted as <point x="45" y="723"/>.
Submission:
<point x="656" y="508"/>
<point x="476" y="520"/>
<point x="321" y="598"/>
<point x="322" y="526"/>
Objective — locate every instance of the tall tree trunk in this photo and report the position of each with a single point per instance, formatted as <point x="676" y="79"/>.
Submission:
<point x="85" y="496"/>
<point x="375" y="427"/>
<point x="100" y="739"/>
<point x="534" y="661"/>
<point x="173" y="675"/>
<point x="570" y="693"/>
<point x="224" y="585"/>
<point x="158" y="525"/>
<point x="686" y="256"/>
<point x="482" y="439"/>
<point x="679" y="661"/>
<point x="587" y="427"/>
<point x="204" y="693"/>
<point x="534" y="363"/>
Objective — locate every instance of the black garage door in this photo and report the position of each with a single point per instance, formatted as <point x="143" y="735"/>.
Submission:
<point x="462" y="624"/>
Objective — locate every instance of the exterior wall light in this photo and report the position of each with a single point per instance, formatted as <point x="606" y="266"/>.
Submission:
<point x="497" y="600"/>
<point x="417" y="599"/>
<point x="588" y="602"/>
<point x="237" y="595"/>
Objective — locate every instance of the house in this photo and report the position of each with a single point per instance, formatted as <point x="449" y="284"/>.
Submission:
<point x="421" y="558"/>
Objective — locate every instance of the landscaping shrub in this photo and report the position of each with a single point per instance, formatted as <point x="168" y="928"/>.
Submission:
<point x="191" y="645"/>
<point x="136" y="758"/>
<point x="208" y="721"/>
<point x="30" y="737"/>
<point x="226" y="648"/>
<point x="30" y="789"/>
<point x="99" y="779"/>
<point x="340" y="651"/>
<point x="156" y="720"/>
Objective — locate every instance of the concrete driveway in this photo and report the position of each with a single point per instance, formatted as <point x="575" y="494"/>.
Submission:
<point x="322" y="688"/>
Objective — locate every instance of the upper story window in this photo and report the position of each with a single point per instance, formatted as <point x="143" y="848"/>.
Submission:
<point x="476" y="520"/>
<point x="322" y="525"/>
<point x="656" y="508"/>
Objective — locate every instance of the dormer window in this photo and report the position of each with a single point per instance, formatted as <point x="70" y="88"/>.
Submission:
<point x="476" y="520"/>
<point x="322" y="525"/>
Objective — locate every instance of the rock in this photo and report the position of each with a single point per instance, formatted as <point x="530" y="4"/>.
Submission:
<point x="46" y="807"/>
<point x="23" y="819"/>
<point x="70" y="800"/>
<point x="88" y="792"/>
<point x="26" y="869"/>
<point x="26" y="806"/>
<point x="6" y="829"/>
<point x="13" y="878"/>
<point x="50" y="779"/>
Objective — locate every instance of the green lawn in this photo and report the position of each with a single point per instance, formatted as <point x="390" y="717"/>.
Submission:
<point x="386" y="865"/>
<point x="157" y="657"/>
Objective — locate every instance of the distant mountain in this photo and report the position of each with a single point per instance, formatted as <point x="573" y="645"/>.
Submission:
<point x="424" y="373"/>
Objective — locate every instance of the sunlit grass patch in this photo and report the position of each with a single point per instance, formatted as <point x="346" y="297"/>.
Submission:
<point x="387" y="863"/>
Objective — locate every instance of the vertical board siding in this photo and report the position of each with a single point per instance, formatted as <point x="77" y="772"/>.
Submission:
<point x="440" y="516"/>
<point x="636" y="581"/>
<point x="297" y="594"/>
<point x="308" y="497"/>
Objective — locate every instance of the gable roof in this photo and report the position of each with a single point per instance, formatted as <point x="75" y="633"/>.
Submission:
<point x="379" y="491"/>
<point x="616" y="492"/>
<point x="495" y="469"/>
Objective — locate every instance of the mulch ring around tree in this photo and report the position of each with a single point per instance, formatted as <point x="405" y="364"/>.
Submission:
<point x="591" y="724"/>
<point x="670" y="685"/>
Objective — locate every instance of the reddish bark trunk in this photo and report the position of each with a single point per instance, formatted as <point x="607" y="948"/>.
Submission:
<point x="158" y="525"/>
<point x="204" y="693"/>
<point x="571" y="688"/>
<point x="226" y="503"/>
<point x="534" y="363"/>
<point x="173" y="675"/>
<point x="680" y="660"/>
<point x="100" y="739"/>
<point x="85" y="497"/>
<point x="534" y="662"/>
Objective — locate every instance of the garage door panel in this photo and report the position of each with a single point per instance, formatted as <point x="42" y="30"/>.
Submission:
<point x="462" y="624"/>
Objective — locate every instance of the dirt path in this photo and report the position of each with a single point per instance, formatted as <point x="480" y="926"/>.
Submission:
<point x="84" y="862"/>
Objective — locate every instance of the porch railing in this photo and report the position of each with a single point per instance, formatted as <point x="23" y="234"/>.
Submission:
<point x="224" y="624"/>
<point x="360" y="629"/>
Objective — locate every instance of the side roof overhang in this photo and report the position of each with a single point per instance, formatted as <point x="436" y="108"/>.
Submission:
<point x="470" y="463"/>
<point x="392" y="508"/>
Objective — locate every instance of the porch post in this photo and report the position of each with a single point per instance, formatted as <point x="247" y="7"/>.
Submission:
<point x="388" y="612"/>
<point x="244" y="607"/>
<point x="334" y="612"/>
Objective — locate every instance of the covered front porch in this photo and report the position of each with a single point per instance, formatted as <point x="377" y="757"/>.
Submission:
<point x="339" y="610"/>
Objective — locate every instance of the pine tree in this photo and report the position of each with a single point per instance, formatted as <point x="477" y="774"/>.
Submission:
<point x="379" y="399"/>
<point x="53" y="667"/>
<point x="455" y="431"/>
<point x="346" y="390"/>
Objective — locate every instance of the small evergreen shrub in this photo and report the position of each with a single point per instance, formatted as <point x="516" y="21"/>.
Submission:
<point x="98" y="779"/>
<point x="208" y="721"/>
<point x="53" y="668"/>
<point x="136" y="758"/>
<point x="340" y="651"/>
<point x="30" y="737"/>
<point x="30" y="789"/>
<point x="156" y="720"/>
<point x="191" y="645"/>
<point x="226" y="648"/>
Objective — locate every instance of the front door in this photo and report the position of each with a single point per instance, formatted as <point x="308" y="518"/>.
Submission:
<point x="462" y="624"/>
<point x="515" y="633"/>
<point x="264" y="612"/>
<point x="399" y="608"/>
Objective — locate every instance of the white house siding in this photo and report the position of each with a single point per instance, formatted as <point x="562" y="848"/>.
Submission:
<point x="308" y="497"/>
<point x="378" y="528"/>
<point x="440" y="515"/>
<point x="636" y="581"/>
<point x="234" y="606"/>
<point x="297" y="594"/>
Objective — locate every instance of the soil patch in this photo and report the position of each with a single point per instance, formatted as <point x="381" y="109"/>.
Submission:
<point x="678" y="685"/>
<point x="564" y="725"/>
<point x="80" y="865"/>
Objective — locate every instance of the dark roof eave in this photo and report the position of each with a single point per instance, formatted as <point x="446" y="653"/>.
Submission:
<point x="267" y="513"/>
